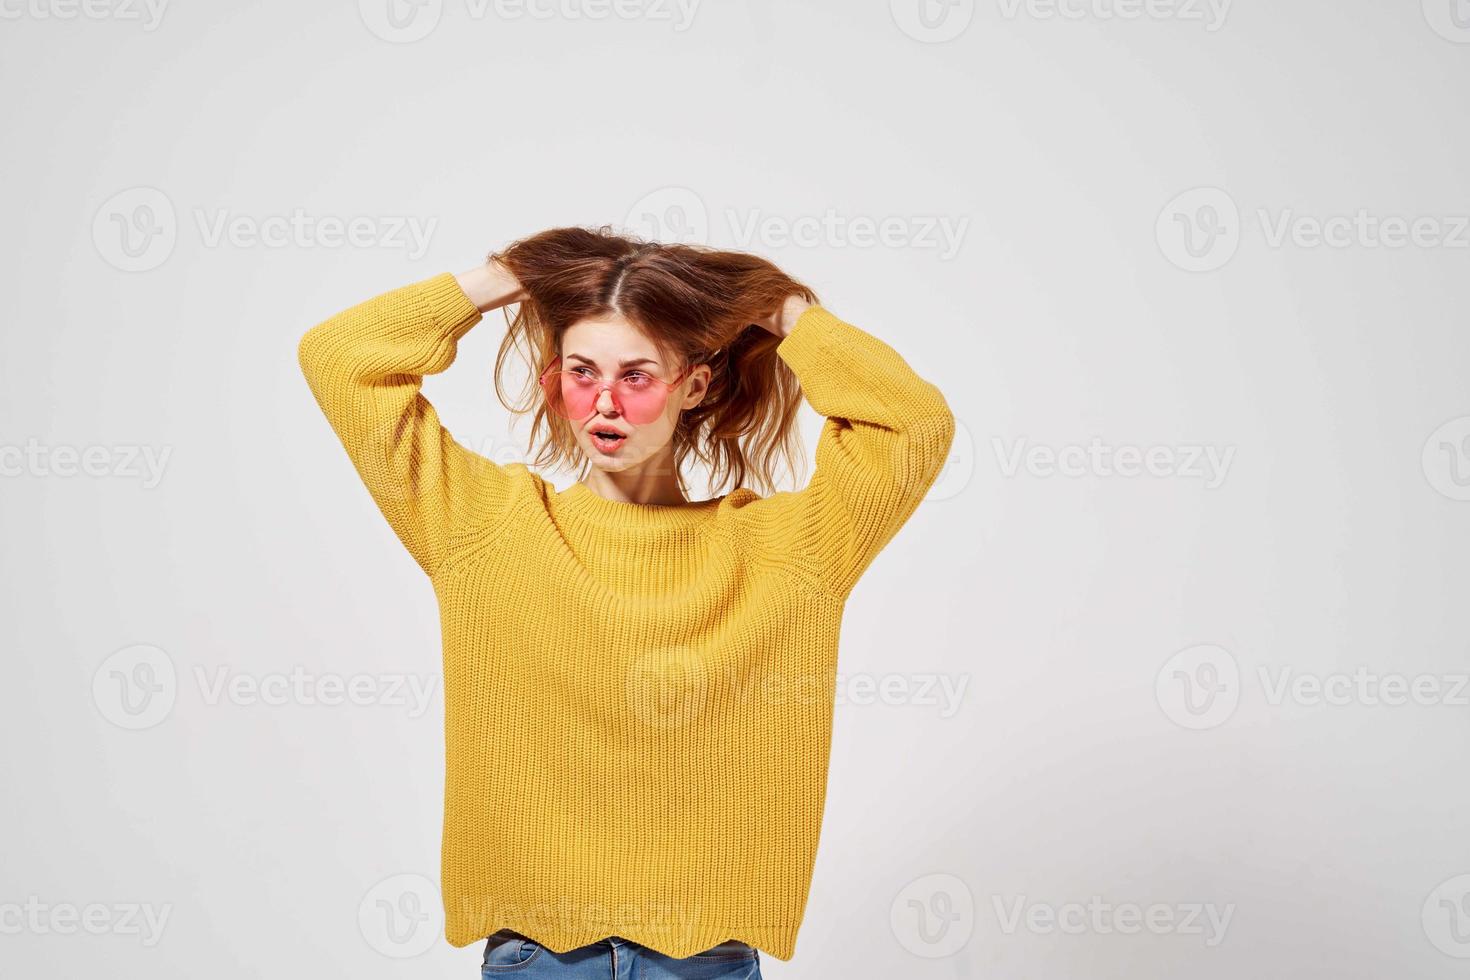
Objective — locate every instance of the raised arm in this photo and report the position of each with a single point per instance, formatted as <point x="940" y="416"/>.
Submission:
<point x="886" y="436"/>
<point x="365" y="366"/>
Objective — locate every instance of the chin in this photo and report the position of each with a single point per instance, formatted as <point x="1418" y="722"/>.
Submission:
<point x="608" y="464"/>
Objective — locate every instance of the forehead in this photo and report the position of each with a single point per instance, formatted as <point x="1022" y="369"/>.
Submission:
<point x="608" y="341"/>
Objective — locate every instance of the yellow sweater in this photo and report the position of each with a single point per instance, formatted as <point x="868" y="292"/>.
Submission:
<point x="638" y="698"/>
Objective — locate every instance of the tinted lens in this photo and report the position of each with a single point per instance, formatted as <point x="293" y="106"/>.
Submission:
<point x="573" y="395"/>
<point x="641" y="399"/>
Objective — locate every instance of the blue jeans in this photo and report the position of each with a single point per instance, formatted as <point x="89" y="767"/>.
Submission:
<point x="509" y="953"/>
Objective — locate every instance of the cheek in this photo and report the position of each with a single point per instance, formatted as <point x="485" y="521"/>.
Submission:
<point x="647" y="438"/>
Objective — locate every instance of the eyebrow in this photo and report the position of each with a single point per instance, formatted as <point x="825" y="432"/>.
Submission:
<point x="633" y="362"/>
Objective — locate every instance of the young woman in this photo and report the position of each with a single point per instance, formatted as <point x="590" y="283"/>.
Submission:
<point x="638" y="687"/>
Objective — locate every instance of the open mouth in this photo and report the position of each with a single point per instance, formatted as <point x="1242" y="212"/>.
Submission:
<point x="607" y="438"/>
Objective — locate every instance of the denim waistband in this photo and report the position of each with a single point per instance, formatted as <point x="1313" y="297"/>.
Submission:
<point x="615" y="941"/>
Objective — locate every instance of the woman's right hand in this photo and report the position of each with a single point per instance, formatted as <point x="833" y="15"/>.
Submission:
<point x="491" y="286"/>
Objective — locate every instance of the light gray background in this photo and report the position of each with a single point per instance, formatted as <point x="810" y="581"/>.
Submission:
<point x="1113" y="643"/>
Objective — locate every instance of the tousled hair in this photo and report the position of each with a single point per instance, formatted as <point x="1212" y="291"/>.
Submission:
<point x="697" y="305"/>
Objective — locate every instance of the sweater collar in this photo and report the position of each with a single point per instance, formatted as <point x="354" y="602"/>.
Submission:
<point x="585" y="503"/>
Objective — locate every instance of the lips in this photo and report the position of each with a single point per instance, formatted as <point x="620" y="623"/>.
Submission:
<point x="607" y="438"/>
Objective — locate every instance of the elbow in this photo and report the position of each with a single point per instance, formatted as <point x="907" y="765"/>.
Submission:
<point x="936" y="422"/>
<point x="313" y="355"/>
<point x="918" y="454"/>
<point x="308" y="356"/>
<point x="945" y="422"/>
<point x="932" y="436"/>
<point x="306" y="351"/>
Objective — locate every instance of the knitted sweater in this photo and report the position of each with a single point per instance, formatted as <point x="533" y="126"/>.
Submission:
<point x="638" y="698"/>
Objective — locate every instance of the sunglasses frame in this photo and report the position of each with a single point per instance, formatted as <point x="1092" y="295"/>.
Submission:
<point x="602" y="384"/>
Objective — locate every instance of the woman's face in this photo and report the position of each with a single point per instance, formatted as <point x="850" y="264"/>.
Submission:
<point x="613" y="349"/>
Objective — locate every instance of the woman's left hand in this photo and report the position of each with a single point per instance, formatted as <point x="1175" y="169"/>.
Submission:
<point x="781" y="322"/>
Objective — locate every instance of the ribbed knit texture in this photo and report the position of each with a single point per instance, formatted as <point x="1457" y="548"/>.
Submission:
<point x="638" y="698"/>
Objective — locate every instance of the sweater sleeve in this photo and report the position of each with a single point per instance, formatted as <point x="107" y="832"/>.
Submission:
<point x="884" y="442"/>
<point x="365" y="366"/>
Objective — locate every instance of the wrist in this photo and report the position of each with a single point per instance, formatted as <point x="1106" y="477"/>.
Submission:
<point x="490" y="286"/>
<point x="791" y="311"/>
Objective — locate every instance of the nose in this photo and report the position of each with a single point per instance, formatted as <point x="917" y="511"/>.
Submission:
<point x="604" y="403"/>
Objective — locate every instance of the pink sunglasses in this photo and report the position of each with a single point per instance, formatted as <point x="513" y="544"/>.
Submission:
<point x="640" y="397"/>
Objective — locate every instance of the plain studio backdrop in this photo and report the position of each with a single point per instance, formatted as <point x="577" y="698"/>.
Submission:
<point x="1166" y="677"/>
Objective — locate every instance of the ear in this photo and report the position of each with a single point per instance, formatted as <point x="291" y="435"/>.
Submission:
<point x="698" y="381"/>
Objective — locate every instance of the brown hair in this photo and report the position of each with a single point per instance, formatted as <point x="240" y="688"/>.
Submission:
<point x="698" y="305"/>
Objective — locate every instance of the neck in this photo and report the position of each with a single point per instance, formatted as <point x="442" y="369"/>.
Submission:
<point x="651" y="482"/>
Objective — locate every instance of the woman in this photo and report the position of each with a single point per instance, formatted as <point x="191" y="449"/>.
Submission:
<point x="638" y="687"/>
